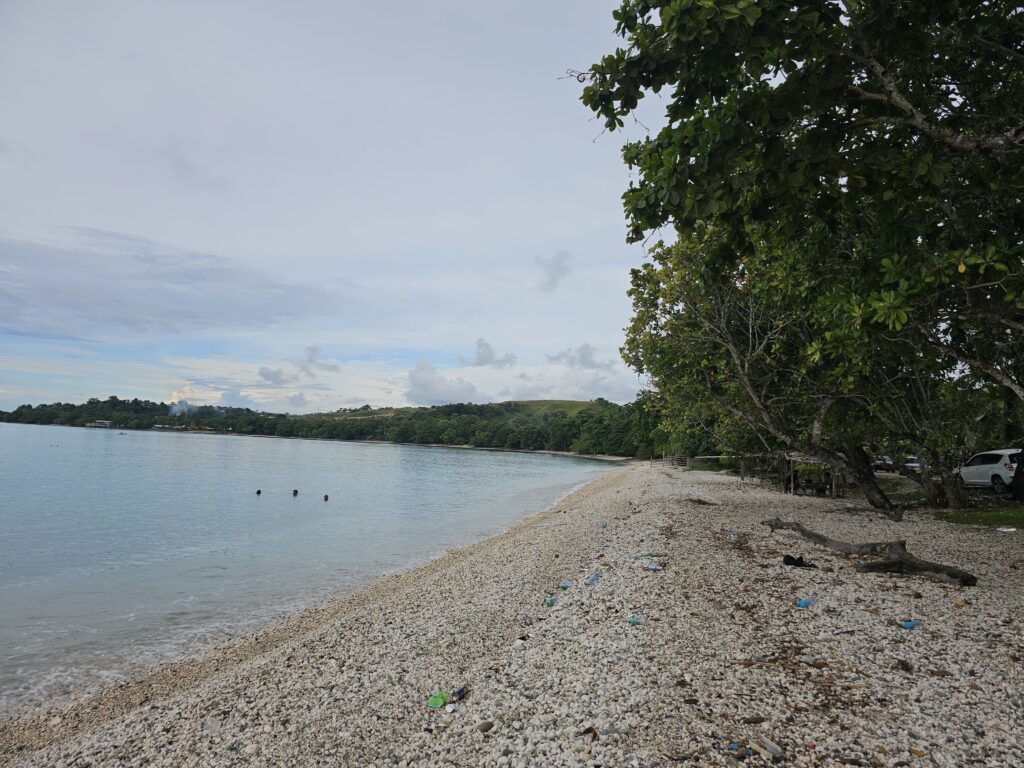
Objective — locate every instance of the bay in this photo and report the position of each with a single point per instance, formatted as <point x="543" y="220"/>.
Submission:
<point x="118" y="550"/>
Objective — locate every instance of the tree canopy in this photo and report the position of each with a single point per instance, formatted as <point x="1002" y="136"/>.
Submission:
<point x="845" y="181"/>
<point x="593" y="427"/>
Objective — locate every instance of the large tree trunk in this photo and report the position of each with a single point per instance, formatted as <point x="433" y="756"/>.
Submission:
<point x="1017" y="483"/>
<point x="897" y="558"/>
<point x="934" y="493"/>
<point x="859" y="464"/>
<point x="956" y="493"/>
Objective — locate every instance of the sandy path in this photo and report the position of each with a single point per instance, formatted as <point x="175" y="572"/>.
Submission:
<point x="348" y="684"/>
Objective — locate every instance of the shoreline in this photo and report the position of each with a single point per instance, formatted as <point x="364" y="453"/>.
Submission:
<point x="127" y="430"/>
<point x="718" y="661"/>
<point x="253" y="630"/>
<point x="168" y="677"/>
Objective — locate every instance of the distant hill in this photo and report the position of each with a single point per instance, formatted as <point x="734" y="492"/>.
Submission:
<point x="587" y="427"/>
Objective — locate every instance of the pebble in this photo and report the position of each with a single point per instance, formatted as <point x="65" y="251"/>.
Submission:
<point x="345" y="685"/>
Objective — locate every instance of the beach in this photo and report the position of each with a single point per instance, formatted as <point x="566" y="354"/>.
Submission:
<point x="688" y="649"/>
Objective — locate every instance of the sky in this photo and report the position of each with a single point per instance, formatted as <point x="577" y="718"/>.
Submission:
<point x="308" y="206"/>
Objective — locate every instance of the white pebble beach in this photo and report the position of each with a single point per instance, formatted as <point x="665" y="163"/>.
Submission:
<point x="719" y="668"/>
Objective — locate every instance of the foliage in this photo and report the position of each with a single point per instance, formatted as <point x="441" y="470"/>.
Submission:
<point x="595" y="427"/>
<point x="726" y="351"/>
<point x="884" y="136"/>
<point x="845" y="181"/>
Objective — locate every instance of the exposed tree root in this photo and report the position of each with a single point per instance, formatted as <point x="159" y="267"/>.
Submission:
<point x="897" y="558"/>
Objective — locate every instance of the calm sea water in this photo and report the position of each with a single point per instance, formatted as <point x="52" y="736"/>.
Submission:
<point x="118" y="550"/>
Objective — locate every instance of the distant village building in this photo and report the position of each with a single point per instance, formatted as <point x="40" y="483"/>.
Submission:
<point x="100" y="424"/>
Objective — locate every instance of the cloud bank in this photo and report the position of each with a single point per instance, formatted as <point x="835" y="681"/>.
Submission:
<point x="131" y="287"/>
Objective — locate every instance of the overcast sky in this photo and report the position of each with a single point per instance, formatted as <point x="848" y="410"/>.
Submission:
<point x="302" y="206"/>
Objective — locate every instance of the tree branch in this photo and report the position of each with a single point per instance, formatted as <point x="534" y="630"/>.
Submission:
<point x="893" y="97"/>
<point x="1009" y="53"/>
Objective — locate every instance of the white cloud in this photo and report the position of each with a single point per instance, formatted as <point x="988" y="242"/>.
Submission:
<point x="233" y="397"/>
<point x="428" y="387"/>
<point x="485" y="355"/>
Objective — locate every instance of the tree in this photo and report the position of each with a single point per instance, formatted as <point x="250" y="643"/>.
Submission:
<point x="726" y="346"/>
<point x="884" y="135"/>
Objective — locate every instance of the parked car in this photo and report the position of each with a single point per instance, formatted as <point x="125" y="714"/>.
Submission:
<point x="882" y="464"/>
<point x="992" y="468"/>
<point x="912" y="465"/>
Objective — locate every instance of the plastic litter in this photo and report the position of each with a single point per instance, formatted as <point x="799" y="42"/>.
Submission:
<point x="910" y="624"/>
<point x="737" y="536"/>
<point x="549" y="602"/>
<point x="451" y="708"/>
<point x="642" y="555"/>
<point x="797" y="562"/>
<point x="637" y="621"/>
<point x="767" y="749"/>
<point x="806" y="602"/>
<point x="460" y="693"/>
<point x="438" y="700"/>
<point x="592" y="578"/>
<point x="653" y="567"/>
<point x="565" y="584"/>
<point x="1006" y="529"/>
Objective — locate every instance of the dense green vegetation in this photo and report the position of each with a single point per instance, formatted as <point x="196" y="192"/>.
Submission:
<point x="595" y="427"/>
<point x="845" y="182"/>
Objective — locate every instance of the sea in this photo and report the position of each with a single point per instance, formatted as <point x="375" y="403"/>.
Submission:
<point x="119" y="550"/>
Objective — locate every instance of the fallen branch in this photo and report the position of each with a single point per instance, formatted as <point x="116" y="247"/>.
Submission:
<point x="897" y="558"/>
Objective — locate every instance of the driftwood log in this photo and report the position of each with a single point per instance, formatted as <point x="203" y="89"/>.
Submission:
<point x="896" y="557"/>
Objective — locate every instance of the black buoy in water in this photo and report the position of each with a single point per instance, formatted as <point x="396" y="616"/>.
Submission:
<point x="325" y="497"/>
<point x="295" y="492"/>
<point x="258" y="491"/>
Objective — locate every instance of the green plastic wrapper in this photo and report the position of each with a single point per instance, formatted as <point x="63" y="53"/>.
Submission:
<point x="438" y="700"/>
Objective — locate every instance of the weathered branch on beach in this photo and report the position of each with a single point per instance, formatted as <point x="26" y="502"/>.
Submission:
<point x="897" y="558"/>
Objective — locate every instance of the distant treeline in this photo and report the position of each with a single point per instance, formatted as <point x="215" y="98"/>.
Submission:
<point x="594" y="427"/>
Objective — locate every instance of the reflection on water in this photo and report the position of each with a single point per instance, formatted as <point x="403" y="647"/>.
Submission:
<point x="120" y="549"/>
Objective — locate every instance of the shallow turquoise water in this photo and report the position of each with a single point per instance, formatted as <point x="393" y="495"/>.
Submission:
<point x="118" y="550"/>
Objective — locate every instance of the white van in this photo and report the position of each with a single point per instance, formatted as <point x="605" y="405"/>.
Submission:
<point x="992" y="468"/>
